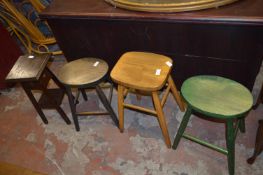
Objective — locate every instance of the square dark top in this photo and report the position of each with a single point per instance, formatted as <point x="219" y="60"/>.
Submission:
<point x="241" y="12"/>
<point x="27" y="68"/>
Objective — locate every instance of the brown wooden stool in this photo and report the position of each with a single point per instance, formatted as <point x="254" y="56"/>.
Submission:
<point x="31" y="71"/>
<point x="81" y="74"/>
<point x="147" y="72"/>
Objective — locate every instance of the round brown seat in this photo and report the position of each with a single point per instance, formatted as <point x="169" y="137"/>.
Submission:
<point x="83" y="73"/>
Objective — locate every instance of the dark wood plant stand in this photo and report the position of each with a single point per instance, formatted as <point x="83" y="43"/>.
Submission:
<point x="33" y="74"/>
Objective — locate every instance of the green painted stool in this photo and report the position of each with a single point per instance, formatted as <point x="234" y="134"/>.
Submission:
<point x="220" y="98"/>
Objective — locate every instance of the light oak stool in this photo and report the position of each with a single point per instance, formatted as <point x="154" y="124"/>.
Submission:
<point x="81" y="74"/>
<point x="146" y="72"/>
<point x="220" y="98"/>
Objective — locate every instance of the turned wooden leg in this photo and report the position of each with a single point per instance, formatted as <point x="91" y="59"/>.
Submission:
<point x="177" y="96"/>
<point x="161" y="118"/>
<point x="121" y="107"/>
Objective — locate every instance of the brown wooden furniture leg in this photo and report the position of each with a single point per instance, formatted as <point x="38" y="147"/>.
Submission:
<point x="120" y="107"/>
<point x="63" y="115"/>
<point x="161" y="119"/>
<point x="177" y="96"/>
<point x="258" y="144"/>
<point x="34" y="102"/>
<point x="73" y="108"/>
<point x="107" y="105"/>
<point x="83" y="92"/>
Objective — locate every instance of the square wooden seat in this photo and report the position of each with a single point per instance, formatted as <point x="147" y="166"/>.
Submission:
<point x="147" y="72"/>
<point x="138" y="70"/>
<point x="33" y="74"/>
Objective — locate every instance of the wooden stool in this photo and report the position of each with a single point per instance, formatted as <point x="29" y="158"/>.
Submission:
<point x="220" y="98"/>
<point x="32" y="73"/>
<point x="147" y="72"/>
<point x="85" y="73"/>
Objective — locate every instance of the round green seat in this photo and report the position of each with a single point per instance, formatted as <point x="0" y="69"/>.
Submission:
<point x="216" y="96"/>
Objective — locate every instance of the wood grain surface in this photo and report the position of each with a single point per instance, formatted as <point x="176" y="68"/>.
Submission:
<point x="83" y="71"/>
<point x="28" y="69"/>
<point x="138" y="70"/>
<point x="216" y="96"/>
<point x="244" y="11"/>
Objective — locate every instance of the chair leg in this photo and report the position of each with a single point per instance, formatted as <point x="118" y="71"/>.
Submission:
<point x="73" y="108"/>
<point x="63" y="115"/>
<point x="161" y="119"/>
<point x="120" y="107"/>
<point x="230" y="141"/>
<point x="107" y="105"/>
<point x="177" y="96"/>
<point x="182" y="127"/>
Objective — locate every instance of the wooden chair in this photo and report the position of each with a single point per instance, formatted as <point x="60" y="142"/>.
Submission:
<point x="81" y="74"/>
<point x="146" y="72"/>
<point x="220" y="98"/>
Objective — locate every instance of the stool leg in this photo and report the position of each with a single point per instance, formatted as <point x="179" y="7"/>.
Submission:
<point x="230" y="141"/>
<point x="35" y="103"/>
<point x="107" y="105"/>
<point x="242" y="125"/>
<point x="161" y="119"/>
<point x="182" y="127"/>
<point x="76" y="99"/>
<point x="177" y="96"/>
<point x="63" y="115"/>
<point x="73" y="108"/>
<point x="120" y="107"/>
<point x="111" y="92"/>
<point x="84" y="94"/>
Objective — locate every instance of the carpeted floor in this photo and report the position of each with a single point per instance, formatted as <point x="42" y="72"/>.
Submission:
<point x="100" y="149"/>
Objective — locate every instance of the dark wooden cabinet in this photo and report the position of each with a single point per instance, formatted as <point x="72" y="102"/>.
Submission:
<point x="227" y="41"/>
<point x="9" y="53"/>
